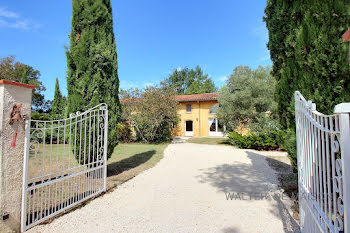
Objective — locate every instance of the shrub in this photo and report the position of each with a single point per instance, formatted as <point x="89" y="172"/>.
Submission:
<point x="153" y="112"/>
<point x="124" y="132"/>
<point x="266" y="124"/>
<point x="256" y="141"/>
<point x="289" y="145"/>
<point x="40" y="116"/>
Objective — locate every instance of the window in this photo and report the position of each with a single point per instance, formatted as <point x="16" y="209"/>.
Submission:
<point x="214" y="109"/>
<point x="188" y="108"/>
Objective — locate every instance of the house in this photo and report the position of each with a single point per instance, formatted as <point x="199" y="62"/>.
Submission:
<point x="198" y="115"/>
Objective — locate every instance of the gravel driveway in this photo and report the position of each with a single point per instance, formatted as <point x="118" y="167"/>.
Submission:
<point x="187" y="191"/>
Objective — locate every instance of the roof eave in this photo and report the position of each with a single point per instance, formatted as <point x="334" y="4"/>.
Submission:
<point x="196" y="100"/>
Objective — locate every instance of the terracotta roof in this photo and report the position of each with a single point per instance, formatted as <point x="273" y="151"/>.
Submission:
<point x="196" y="97"/>
<point x="181" y="98"/>
<point x="346" y="36"/>
<point x="4" y="81"/>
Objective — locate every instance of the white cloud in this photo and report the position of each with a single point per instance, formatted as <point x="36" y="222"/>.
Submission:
<point x="220" y="80"/>
<point x="127" y="84"/>
<point x="179" y="68"/>
<point x="7" y="14"/>
<point x="148" y="84"/>
<point x="223" y="78"/>
<point x="10" y="19"/>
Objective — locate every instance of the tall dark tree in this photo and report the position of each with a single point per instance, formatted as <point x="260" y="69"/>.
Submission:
<point x="308" y="54"/>
<point x="58" y="103"/>
<point x="190" y="81"/>
<point x="92" y="62"/>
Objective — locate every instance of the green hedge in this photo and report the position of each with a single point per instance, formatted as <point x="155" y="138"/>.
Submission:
<point x="259" y="141"/>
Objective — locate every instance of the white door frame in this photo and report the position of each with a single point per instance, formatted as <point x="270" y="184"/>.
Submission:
<point x="188" y="133"/>
<point x="215" y="133"/>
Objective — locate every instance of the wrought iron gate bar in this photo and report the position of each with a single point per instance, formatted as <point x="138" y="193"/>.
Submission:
<point x="65" y="163"/>
<point x="319" y="168"/>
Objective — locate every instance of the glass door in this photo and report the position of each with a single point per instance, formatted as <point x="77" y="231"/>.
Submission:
<point x="215" y="128"/>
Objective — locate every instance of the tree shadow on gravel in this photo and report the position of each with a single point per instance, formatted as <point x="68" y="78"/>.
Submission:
<point x="254" y="177"/>
<point x="239" y="176"/>
<point x="129" y="163"/>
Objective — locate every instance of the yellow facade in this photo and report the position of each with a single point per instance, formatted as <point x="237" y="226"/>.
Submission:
<point x="199" y="115"/>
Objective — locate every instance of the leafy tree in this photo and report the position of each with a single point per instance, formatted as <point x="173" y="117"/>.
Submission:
<point x="92" y="63"/>
<point x="24" y="78"/>
<point x="58" y="103"/>
<point x="247" y="96"/>
<point x="19" y="72"/>
<point x="308" y="55"/>
<point x="153" y="112"/>
<point x="190" y="81"/>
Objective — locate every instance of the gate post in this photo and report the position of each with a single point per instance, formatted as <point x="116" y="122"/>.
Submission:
<point x="344" y="111"/>
<point x="14" y="98"/>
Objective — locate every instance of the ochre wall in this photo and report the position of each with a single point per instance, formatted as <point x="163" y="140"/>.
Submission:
<point x="200" y="116"/>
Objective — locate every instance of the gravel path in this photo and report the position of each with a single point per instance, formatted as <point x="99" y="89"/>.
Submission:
<point x="187" y="192"/>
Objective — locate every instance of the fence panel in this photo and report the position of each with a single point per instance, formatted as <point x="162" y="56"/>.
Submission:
<point x="65" y="163"/>
<point x="319" y="168"/>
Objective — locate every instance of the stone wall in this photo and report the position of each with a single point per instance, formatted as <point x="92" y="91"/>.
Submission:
<point x="11" y="158"/>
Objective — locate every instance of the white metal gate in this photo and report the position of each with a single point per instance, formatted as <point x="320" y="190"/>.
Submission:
<point x="323" y="163"/>
<point x="64" y="163"/>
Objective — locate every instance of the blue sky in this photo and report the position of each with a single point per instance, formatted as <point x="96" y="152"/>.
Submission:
<point x="154" y="37"/>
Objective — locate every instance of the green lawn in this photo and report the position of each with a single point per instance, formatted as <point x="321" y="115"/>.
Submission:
<point x="209" y="140"/>
<point x="127" y="161"/>
<point x="130" y="159"/>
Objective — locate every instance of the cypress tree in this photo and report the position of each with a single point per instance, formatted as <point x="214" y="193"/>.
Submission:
<point x="92" y="63"/>
<point x="308" y="55"/>
<point x="307" y="52"/>
<point x="58" y="103"/>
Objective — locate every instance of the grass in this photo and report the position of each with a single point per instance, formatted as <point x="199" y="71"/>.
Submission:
<point x="130" y="159"/>
<point x="209" y="140"/>
<point x="40" y="163"/>
<point x="126" y="162"/>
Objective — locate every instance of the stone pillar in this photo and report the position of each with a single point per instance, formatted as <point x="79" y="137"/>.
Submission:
<point x="11" y="156"/>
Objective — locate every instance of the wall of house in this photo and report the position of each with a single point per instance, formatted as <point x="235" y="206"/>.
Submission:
<point x="200" y="116"/>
